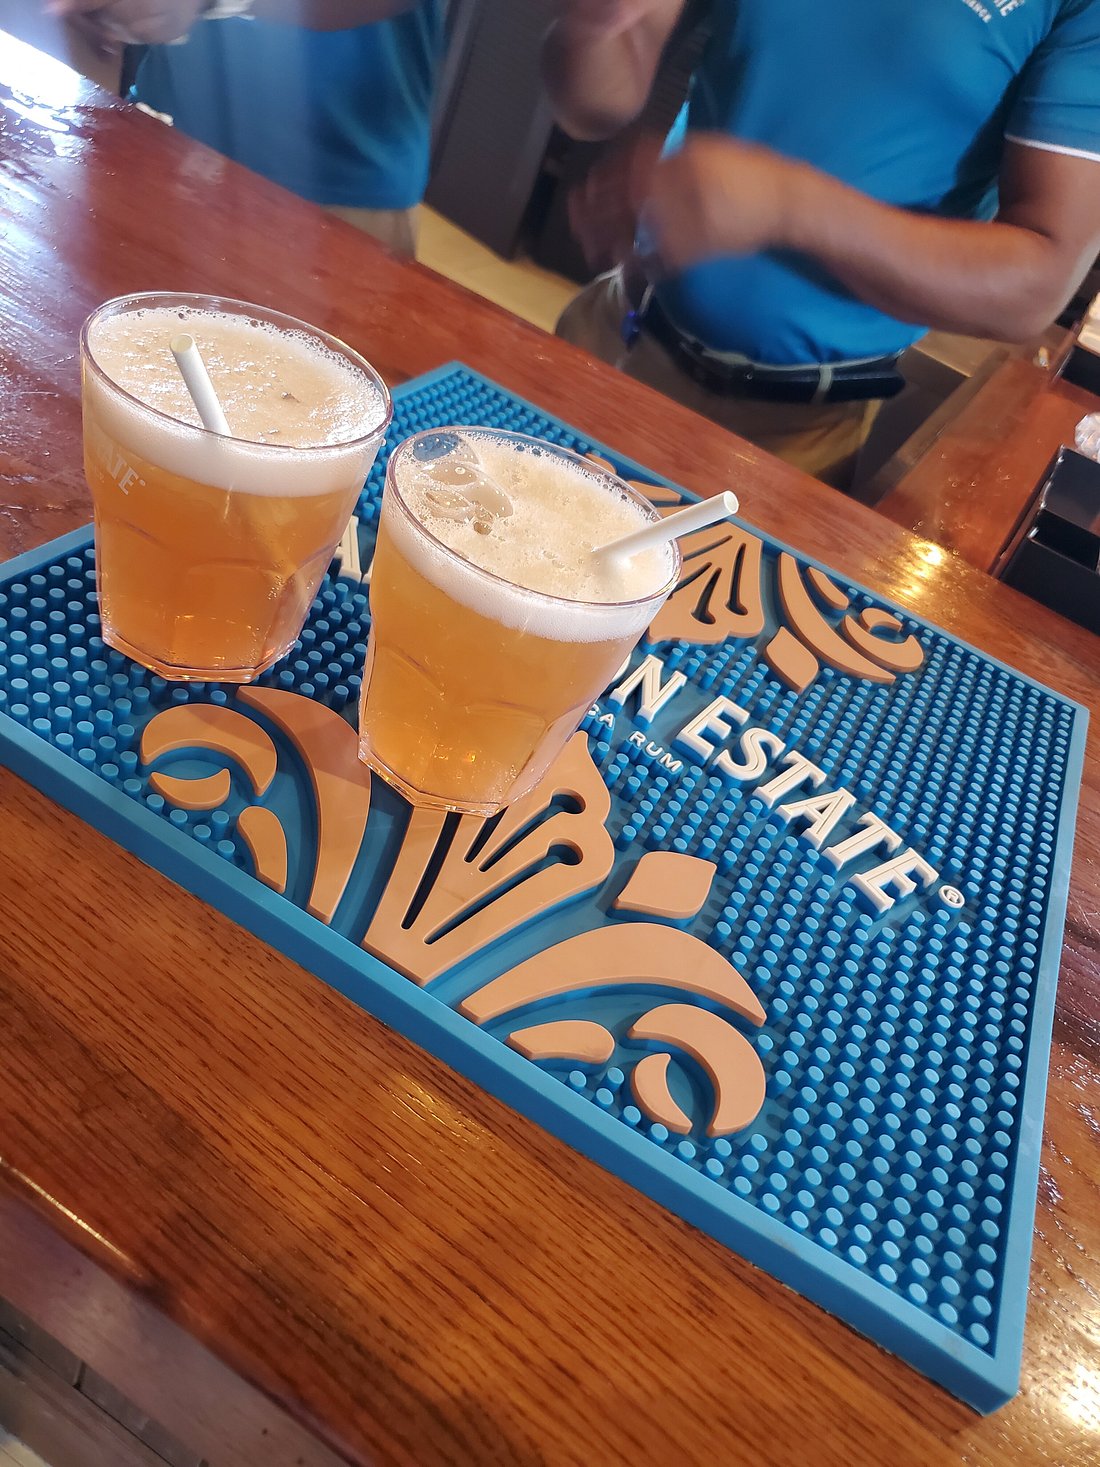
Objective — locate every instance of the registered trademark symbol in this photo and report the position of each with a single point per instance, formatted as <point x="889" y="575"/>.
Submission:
<point x="951" y="896"/>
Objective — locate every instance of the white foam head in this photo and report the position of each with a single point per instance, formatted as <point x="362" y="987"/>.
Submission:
<point x="307" y="415"/>
<point x="507" y="526"/>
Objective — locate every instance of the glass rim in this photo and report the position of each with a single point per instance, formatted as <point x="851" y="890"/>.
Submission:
<point x="589" y="465"/>
<point x="144" y="299"/>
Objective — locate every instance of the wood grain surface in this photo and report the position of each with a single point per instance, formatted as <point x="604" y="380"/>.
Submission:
<point x="394" y="1260"/>
<point x="970" y="488"/>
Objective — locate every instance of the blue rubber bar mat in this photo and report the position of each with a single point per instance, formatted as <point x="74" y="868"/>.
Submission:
<point x="848" y="837"/>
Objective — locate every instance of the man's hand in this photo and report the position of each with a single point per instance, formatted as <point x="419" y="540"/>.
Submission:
<point x="113" y="23"/>
<point x="718" y="196"/>
<point x="605" y="205"/>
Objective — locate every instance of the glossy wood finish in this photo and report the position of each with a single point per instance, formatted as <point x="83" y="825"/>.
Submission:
<point x="976" y="478"/>
<point x="194" y="1130"/>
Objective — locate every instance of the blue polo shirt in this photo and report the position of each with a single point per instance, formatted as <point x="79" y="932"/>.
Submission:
<point x="909" y="101"/>
<point x="340" y="117"/>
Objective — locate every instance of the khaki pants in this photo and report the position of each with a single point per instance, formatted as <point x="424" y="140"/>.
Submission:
<point x="824" y="439"/>
<point x="394" y="228"/>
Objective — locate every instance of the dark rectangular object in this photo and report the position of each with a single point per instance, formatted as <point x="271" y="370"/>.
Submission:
<point x="1057" y="557"/>
<point x="1069" y="508"/>
<point x="1083" y="369"/>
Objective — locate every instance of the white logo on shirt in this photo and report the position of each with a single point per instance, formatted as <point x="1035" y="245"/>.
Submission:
<point x="987" y="10"/>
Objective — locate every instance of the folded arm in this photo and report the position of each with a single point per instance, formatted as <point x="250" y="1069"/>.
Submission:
<point x="1007" y="278"/>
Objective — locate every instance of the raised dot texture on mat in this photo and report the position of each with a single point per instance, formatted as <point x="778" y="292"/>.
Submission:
<point x="649" y="931"/>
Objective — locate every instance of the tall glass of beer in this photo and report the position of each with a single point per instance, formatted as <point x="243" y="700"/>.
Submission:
<point x="209" y="550"/>
<point x="493" y="623"/>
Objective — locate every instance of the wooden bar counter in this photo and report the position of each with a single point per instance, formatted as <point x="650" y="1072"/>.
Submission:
<point x="276" y="1226"/>
<point x="973" y="471"/>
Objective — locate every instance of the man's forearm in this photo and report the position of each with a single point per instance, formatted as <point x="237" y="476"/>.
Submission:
<point x="1008" y="278"/>
<point x="979" y="278"/>
<point x="598" y="73"/>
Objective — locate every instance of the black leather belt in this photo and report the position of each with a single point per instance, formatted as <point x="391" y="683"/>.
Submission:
<point x="859" y="382"/>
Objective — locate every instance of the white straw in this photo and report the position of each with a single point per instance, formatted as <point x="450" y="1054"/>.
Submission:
<point x="194" y="373"/>
<point x="674" y="526"/>
<point x="348" y="551"/>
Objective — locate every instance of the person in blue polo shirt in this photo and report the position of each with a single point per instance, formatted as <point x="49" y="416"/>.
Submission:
<point x="853" y="173"/>
<point x="339" y="116"/>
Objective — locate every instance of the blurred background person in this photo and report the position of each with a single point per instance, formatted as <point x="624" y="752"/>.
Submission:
<point x="852" y="174"/>
<point x="341" y="116"/>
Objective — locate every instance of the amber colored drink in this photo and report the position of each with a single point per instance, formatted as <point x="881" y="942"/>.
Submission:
<point x="493" y="625"/>
<point x="209" y="551"/>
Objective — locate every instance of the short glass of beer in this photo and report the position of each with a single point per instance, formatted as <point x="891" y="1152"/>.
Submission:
<point x="209" y="550"/>
<point x="493" y="623"/>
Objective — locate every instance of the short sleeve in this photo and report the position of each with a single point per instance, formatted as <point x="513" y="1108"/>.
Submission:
<point x="1057" y="103"/>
